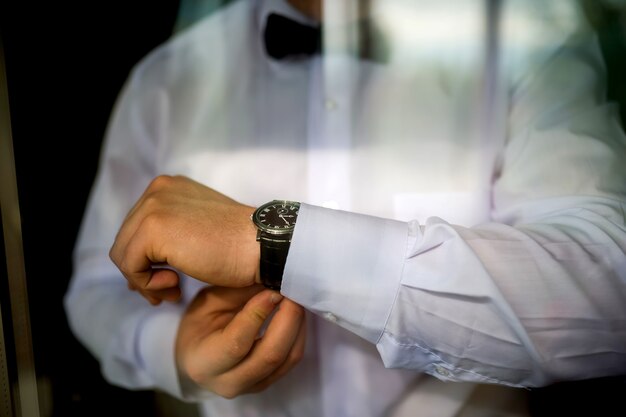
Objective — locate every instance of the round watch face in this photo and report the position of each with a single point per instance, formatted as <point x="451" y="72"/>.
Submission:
<point x="277" y="217"/>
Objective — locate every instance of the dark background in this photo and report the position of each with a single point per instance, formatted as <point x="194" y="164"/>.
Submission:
<point x="66" y="62"/>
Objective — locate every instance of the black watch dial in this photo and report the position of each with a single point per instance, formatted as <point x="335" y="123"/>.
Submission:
<point x="277" y="217"/>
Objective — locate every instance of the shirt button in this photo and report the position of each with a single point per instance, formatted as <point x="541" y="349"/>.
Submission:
<point x="330" y="104"/>
<point x="441" y="370"/>
<point x="330" y="317"/>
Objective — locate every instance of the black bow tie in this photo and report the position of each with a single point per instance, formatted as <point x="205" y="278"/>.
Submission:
<point x="285" y="37"/>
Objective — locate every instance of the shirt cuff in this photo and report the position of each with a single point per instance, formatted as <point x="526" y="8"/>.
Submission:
<point x="346" y="267"/>
<point x="157" y="349"/>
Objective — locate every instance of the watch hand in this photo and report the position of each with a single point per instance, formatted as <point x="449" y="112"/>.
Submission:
<point x="285" y="220"/>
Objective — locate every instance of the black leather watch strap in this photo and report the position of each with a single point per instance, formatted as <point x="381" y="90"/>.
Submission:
<point x="273" y="259"/>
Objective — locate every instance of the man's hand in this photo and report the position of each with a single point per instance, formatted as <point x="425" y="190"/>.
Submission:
<point x="182" y="224"/>
<point x="218" y="346"/>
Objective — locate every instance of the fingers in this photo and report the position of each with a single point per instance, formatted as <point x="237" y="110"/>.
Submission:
<point x="292" y="359"/>
<point x="219" y="346"/>
<point x="239" y="336"/>
<point x="128" y="253"/>
<point x="273" y="355"/>
<point x="142" y="230"/>
<point x="161" y="279"/>
<point x="207" y="358"/>
<point x="163" y="285"/>
<point x="273" y="349"/>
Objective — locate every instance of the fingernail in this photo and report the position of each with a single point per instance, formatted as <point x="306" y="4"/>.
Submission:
<point x="276" y="298"/>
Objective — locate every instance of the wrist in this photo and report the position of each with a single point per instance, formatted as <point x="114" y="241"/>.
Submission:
<point x="247" y="248"/>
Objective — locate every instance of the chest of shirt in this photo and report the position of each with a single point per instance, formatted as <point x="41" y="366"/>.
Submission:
<point x="342" y="134"/>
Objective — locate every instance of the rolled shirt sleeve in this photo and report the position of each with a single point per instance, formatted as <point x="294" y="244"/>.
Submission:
<point x="520" y="306"/>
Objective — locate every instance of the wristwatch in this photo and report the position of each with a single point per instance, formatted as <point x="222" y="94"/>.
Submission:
<point x="275" y="222"/>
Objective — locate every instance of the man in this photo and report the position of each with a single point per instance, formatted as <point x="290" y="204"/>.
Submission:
<point x="479" y="239"/>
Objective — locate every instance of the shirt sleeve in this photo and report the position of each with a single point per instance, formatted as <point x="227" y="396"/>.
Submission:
<point x="536" y="295"/>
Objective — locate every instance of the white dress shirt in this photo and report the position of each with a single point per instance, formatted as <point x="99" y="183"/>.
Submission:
<point x="463" y="204"/>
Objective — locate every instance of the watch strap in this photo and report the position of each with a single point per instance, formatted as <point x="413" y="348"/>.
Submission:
<point x="273" y="258"/>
